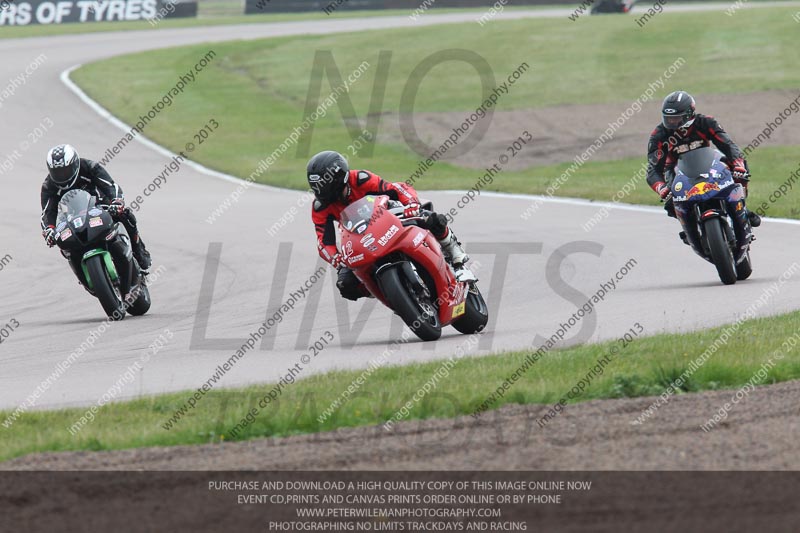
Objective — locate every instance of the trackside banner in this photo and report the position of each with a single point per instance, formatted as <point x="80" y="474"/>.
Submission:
<point x="28" y="12"/>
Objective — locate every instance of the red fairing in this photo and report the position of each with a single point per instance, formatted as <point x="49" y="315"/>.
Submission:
<point x="386" y="234"/>
<point x="360" y="183"/>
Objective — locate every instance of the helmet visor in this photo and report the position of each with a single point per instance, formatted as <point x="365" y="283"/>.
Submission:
<point x="327" y="186"/>
<point x="322" y="193"/>
<point x="673" y="122"/>
<point x="66" y="175"/>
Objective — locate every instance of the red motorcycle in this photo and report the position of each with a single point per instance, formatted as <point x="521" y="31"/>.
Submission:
<point x="401" y="263"/>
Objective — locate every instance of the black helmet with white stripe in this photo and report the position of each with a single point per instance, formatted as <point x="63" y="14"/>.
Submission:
<point x="677" y="111"/>
<point x="64" y="164"/>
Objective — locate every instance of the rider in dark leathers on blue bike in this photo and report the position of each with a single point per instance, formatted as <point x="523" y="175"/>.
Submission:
<point x="683" y="129"/>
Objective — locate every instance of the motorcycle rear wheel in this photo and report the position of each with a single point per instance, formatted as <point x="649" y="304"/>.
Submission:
<point x="745" y="268"/>
<point x="476" y="314"/>
<point x="141" y="304"/>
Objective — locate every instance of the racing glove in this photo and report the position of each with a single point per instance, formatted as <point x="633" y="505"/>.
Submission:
<point x="49" y="235"/>
<point x="662" y="189"/>
<point x="411" y="211"/>
<point x="739" y="169"/>
<point x="117" y="206"/>
<point x="337" y="260"/>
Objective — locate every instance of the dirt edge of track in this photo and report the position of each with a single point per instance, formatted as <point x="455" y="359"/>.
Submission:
<point x="561" y="132"/>
<point x="761" y="432"/>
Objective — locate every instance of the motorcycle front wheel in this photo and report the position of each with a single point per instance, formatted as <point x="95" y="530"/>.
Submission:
<point x="721" y="253"/>
<point x="416" y="310"/>
<point x="104" y="290"/>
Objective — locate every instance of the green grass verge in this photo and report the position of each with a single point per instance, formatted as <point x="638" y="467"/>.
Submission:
<point x="643" y="368"/>
<point x="257" y="90"/>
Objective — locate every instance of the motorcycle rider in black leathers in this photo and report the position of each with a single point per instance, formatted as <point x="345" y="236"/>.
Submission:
<point x="682" y="130"/>
<point x="68" y="171"/>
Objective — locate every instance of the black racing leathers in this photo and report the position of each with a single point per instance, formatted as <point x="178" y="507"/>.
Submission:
<point x="666" y="145"/>
<point x="665" y="148"/>
<point x="92" y="178"/>
<point x="95" y="180"/>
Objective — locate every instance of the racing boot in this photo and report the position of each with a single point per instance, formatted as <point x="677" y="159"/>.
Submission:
<point x="755" y="220"/>
<point x="350" y="287"/>
<point x="744" y="236"/>
<point x="141" y="254"/>
<point x="453" y="252"/>
<point x="752" y="216"/>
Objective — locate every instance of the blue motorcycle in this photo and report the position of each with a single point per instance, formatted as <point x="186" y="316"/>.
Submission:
<point x="710" y="206"/>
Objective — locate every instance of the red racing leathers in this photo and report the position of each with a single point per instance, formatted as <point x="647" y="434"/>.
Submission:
<point x="360" y="183"/>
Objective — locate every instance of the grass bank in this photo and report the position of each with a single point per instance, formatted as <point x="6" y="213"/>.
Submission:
<point x="257" y="91"/>
<point x="644" y="367"/>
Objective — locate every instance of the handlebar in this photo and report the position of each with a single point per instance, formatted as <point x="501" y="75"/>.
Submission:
<point x="400" y="212"/>
<point x="105" y="207"/>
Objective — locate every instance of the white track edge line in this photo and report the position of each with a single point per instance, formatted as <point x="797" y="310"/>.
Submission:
<point x="104" y="113"/>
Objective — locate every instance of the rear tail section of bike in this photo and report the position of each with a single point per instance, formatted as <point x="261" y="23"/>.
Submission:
<point x="476" y="312"/>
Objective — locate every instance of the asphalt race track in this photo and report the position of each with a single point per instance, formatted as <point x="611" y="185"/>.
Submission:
<point x="553" y="267"/>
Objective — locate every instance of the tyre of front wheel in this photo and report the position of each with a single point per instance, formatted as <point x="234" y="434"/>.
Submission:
<point x="721" y="253"/>
<point x="104" y="289"/>
<point x="425" y="325"/>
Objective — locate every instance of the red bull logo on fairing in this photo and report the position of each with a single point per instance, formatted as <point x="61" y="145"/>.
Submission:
<point x="702" y="188"/>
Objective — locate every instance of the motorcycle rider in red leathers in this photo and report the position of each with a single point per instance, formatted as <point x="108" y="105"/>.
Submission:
<point x="335" y="186"/>
<point x="682" y="130"/>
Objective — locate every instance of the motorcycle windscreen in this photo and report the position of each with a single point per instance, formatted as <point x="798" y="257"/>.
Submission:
<point x="357" y="216"/>
<point x="73" y="209"/>
<point x="697" y="162"/>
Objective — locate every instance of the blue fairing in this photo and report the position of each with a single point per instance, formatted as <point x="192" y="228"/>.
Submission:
<point x="714" y="182"/>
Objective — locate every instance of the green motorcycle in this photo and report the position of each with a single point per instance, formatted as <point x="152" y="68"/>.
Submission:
<point x="100" y="254"/>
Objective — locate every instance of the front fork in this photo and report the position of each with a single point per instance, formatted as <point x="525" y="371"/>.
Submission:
<point x="107" y="261"/>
